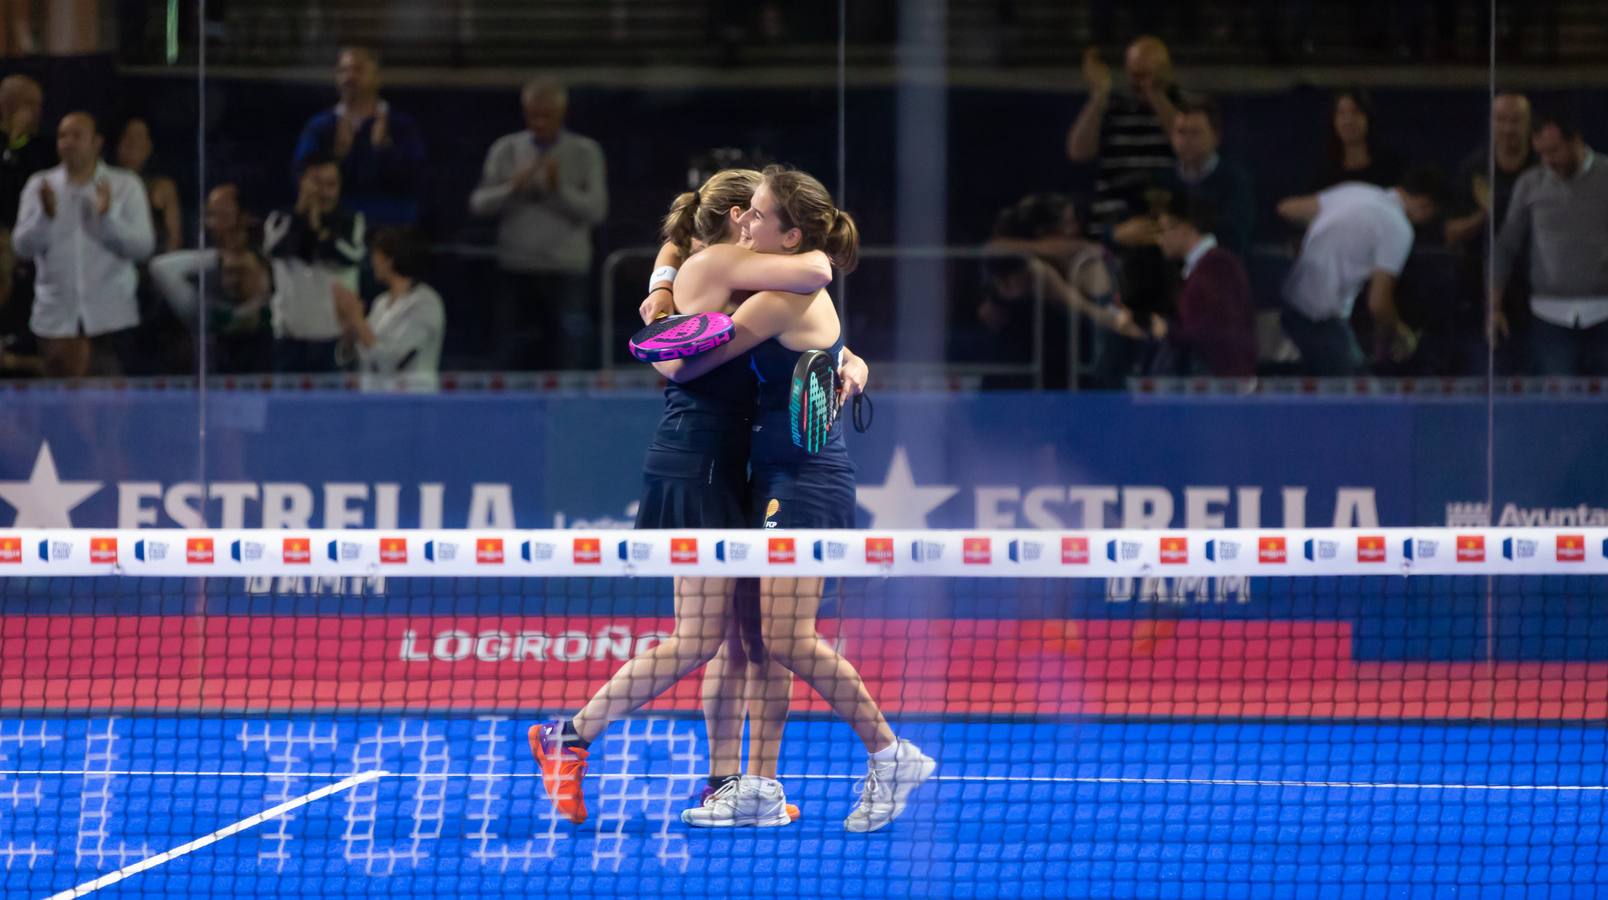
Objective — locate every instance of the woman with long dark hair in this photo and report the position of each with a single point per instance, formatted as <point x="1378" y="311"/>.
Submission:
<point x="1353" y="150"/>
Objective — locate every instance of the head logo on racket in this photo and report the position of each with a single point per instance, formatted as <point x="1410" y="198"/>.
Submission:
<point x="678" y="337"/>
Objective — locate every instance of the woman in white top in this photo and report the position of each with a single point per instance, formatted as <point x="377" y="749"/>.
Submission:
<point x="403" y="332"/>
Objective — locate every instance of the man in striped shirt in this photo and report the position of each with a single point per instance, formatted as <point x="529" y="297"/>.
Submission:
<point x="1125" y="134"/>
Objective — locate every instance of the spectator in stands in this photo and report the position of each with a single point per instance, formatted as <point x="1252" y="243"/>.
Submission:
<point x="21" y="103"/>
<point x="178" y="274"/>
<point x="403" y="332"/>
<point x="237" y="336"/>
<point x="380" y="150"/>
<point x="1456" y="339"/>
<point x="315" y="246"/>
<point x="134" y="149"/>
<point x="162" y="343"/>
<point x="85" y="225"/>
<point x="239" y="327"/>
<point x="1125" y="133"/>
<point x="546" y="186"/>
<point x="1200" y="171"/>
<point x="1352" y="151"/>
<point x="1559" y="211"/>
<point x="1214" y="331"/>
<point x="1077" y="275"/>
<point x="1357" y="235"/>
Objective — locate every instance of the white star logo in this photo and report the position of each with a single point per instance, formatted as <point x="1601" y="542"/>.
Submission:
<point x="898" y="503"/>
<point x="44" y="500"/>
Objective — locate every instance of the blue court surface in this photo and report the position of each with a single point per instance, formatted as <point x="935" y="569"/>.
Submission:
<point x="1022" y="809"/>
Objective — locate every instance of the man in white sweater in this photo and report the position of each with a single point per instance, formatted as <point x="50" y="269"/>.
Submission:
<point x="546" y="187"/>
<point x="85" y="225"/>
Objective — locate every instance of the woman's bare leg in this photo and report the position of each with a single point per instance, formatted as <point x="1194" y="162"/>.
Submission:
<point x="725" y="684"/>
<point x="770" y="696"/>
<point x="703" y="606"/>
<point x="788" y="607"/>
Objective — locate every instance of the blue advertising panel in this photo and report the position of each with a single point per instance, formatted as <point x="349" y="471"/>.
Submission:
<point x="132" y="459"/>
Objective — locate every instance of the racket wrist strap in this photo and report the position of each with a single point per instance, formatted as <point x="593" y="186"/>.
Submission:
<point x="664" y="276"/>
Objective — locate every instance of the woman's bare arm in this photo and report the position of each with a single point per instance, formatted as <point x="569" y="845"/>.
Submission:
<point x="761" y="317"/>
<point x="744" y="270"/>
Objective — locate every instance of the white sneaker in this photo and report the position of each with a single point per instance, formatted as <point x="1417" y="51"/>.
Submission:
<point x="887" y="786"/>
<point x="750" y="801"/>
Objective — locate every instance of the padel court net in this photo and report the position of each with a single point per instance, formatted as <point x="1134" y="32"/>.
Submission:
<point x="1391" y="712"/>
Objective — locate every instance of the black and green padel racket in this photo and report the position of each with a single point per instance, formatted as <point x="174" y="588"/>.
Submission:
<point x="812" y="400"/>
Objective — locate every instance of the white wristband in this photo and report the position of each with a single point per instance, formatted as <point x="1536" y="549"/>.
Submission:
<point x="665" y="274"/>
<point x="841" y="352"/>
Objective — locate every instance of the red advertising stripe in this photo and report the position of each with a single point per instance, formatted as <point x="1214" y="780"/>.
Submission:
<point x="1283" y="669"/>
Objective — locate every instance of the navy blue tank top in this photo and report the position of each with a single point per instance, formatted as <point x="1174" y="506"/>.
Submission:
<point x="772" y="365"/>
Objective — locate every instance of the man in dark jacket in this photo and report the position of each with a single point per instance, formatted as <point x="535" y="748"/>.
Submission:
<point x="380" y="149"/>
<point x="312" y="247"/>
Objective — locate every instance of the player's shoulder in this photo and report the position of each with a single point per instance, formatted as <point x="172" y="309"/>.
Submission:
<point x="704" y="260"/>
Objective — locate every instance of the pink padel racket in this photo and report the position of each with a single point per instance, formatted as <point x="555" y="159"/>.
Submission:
<point x="678" y="337"/>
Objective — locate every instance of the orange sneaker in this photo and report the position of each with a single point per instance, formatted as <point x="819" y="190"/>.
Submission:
<point x="562" y="770"/>
<point x="792" y="812"/>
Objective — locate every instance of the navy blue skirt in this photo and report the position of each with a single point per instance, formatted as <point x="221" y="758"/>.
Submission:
<point x="810" y="495"/>
<point x="686" y="489"/>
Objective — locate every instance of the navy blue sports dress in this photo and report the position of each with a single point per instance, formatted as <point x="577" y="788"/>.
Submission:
<point x="788" y="487"/>
<point x="696" y="471"/>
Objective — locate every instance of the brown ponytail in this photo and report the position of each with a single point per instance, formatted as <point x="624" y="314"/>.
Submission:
<point x="842" y="242"/>
<point x="702" y="214"/>
<point x="805" y="204"/>
<point x="680" y="224"/>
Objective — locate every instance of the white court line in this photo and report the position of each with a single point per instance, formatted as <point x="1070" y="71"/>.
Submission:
<point x="151" y="862"/>
<point x="1018" y="779"/>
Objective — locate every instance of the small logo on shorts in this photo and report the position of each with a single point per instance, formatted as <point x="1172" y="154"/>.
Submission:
<point x="771" y="509"/>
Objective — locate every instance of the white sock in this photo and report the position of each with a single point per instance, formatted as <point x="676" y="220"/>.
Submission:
<point x="886" y="754"/>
